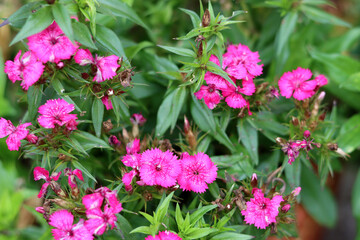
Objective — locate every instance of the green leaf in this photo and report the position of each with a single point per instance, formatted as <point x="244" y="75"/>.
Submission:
<point x="148" y="217"/>
<point x="162" y="122"/>
<point x="78" y="165"/>
<point x="180" y="51"/>
<point x="163" y="208"/>
<point x="195" y="233"/>
<point x="120" y="109"/>
<point x="97" y="114"/>
<point x="23" y="13"/>
<point x="214" y="68"/>
<point x="34" y="95"/>
<point x="177" y="104"/>
<point x="62" y="18"/>
<point x="231" y="236"/>
<point x="222" y="137"/>
<point x="120" y="9"/>
<point x="108" y="39"/>
<point x="355" y="199"/>
<point x="352" y="83"/>
<point x="349" y="135"/>
<point x="179" y="218"/>
<point x="321" y="16"/>
<point x="202" y="116"/>
<point x="82" y="34"/>
<point x="286" y="29"/>
<point x="74" y="143"/>
<point x="198" y="214"/>
<point x="249" y="138"/>
<point x="318" y="201"/>
<point x="142" y="229"/>
<point x="89" y="141"/>
<point x="60" y="90"/>
<point x="37" y="22"/>
<point x="195" y="19"/>
<point x="293" y="172"/>
<point x="133" y="50"/>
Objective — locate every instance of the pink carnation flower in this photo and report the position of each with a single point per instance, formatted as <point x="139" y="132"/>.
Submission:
<point x="105" y="66"/>
<point x="42" y="173"/>
<point x="127" y="179"/>
<point x="133" y="146"/>
<point x="210" y="95"/>
<point x="57" y="112"/>
<point x="26" y="69"/>
<point x="196" y="172"/>
<point x="165" y="235"/>
<point x="51" y="44"/>
<point x="298" y="84"/>
<point x="71" y="176"/>
<point x="241" y="63"/>
<point x="63" y="221"/>
<point x="233" y="95"/>
<point x="138" y="118"/>
<point x="132" y="160"/>
<point x="159" y="168"/>
<point x="261" y="211"/>
<point x="107" y="102"/>
<point x="16" y="134"/>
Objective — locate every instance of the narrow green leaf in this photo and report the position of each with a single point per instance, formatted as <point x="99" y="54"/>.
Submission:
<point x="78" y="165"/>
<point x="162" y="122"/>
<point x="195" y="19"/>
<point x="107" y="38"/>
<point x="24" y="12"/>
<point x="180" y="51"/>
<point x="148" y="217"/>
<point x="349" y="135"/>
<point x="60" y="90"/>
<point x="202" y="116"/>
<point x="214" y="68"/>
<point x="74" y="143"/>
<point x="323" y="17"/>
<point x="231" y="236"/>
<point x="249" y="138"/>
<point x="195" y="233"/>
<point x="133" y="50"/>
<point x="178" y="216"/>
<point x="62" y="18"/>
<point x="142" y="229"/>
<point x="163" y="208"/>
<point x="34" y="95"/>
<point x="82" y="34"/>
<point x="222" y="137"/>
<point x="120" y="9"/>
<point x="286" y="29"/>
<point x="36" y="22"/>
<point x="198" y="214"/>
<point x="97" y="114"/>
<point x="89" y="141"/>
<point x="318" y="201"/>
<point x="177" y="104"/>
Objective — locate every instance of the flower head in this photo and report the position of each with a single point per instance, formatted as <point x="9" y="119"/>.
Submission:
<point x="42" y="173"/>
<point x="51" y="44"/>
<point x="298" y="84"/>
<point x="210" y="95"/>
<point x="26" y="69"/>
<point x="107" y="102"/>
<point x="105" y="66"/>
<point x="197" y="172"/>
<point x="57" y="112"/>
<point x="16" y="134"/>
<point x="138" y="118"/>
<point x="133" y="146"/>
<point x="234" y="95"/>
<point x="71" y="176"/>
<point x="165" y="235"/>
<point x="63" y="221"/>
<point x="159" y="168"/>
<point x="262" y="211"/>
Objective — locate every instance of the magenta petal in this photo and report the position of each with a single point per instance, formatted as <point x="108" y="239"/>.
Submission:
<point x="43" y="190"/>
<point x="78" y="173"/>
<point x="41" y="173"/>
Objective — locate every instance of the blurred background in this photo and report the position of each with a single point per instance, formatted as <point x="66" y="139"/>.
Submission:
<point x="317" y="42"/>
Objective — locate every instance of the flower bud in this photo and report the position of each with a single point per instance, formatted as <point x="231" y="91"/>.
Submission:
<point x="85" y="75"/>
<point x="332" y="146"/>
<point x="113" y="141"/>
<point x="307" y="134"/>
<point x="206" y="18"/>
<point x="254" y="180"/>
<point x="32" y="138"/>
<point x="110" y="92"/>
<point x="186" y="125"/>
<point x="107" y="125"/>
<point x="286" y="208"/>
<point x="295" y="121"/>
<point x="296" y="191"/>
<point x="96" y="88"/>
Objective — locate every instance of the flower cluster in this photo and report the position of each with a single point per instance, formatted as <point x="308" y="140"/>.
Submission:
<point x="155" y="167"/>
<point x="292" y="147"/>
<point x="15" y="134"/>
<point x="242" y="66"/>
<point x="165" y="235"/>
<point x="298" y="84"/>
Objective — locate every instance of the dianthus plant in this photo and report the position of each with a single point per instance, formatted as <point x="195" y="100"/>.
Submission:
<point x="104" y="137"/>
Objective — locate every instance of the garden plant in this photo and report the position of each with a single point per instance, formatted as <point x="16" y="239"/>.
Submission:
<point x="176" y="119"/>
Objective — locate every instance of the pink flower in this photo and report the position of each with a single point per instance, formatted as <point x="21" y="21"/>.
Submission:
<point x="241" y="63"/>
<point x="16" y="134"/>
<point x="296" y="191"/>
<point x="127" y="179"/>
<point x="210" y="95"/>
<point x="159" y="168"/>
<point x="63" y="221"/>
<point x="92" y="201"/>
<point x="321" y="80"/>
<point x="133" y="146"/>
<point x="132" y="160"/>
<point x="138" y="118"/>
<point x="107" y="102"/>
<point x="233" y="95"/>
<point x="57" y="112"/>
<point x="71" y="176"/>
<point x="26" y="69"/>
<point x="51" y="44"/>
<point x="165" y="235"/>
<point x="261" y="211"/>
<point x="41" y="173"/>
<point x="298" y="84"/>
<point x="197" y="172"/>
<point x="105" y="66"/>
<point x="211" y="78"/>
<point x="110" y="197"/>
<point x="292" y="149"/>
<point x="253" y="177"/>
